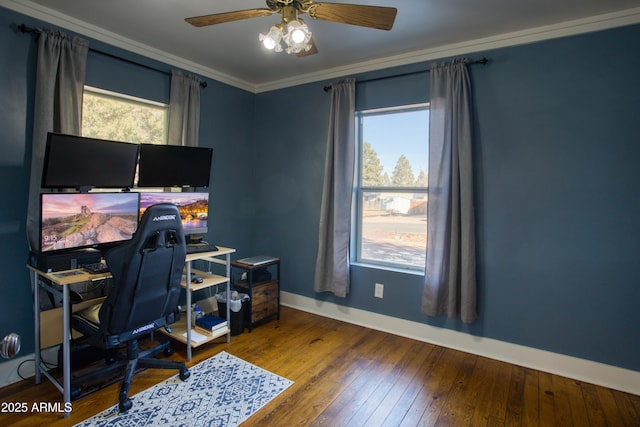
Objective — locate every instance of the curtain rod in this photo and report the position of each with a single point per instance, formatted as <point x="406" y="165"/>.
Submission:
<point x="26" y="29"/>
<point x="478" y="61"/>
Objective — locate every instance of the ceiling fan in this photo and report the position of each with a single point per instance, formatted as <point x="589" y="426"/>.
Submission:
<point x="293" y="33"/>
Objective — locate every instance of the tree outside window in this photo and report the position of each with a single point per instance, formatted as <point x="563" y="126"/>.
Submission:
<point x="118" y="117"/>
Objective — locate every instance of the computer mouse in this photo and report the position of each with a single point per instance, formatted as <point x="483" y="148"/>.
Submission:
<point x="196" y="280"/>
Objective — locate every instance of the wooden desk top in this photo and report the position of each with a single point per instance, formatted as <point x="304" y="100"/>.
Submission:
<point x="201" y="255"/>
<point x="68" y="277"/>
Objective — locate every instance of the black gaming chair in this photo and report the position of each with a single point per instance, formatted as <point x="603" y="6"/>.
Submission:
<point x="146" y="272"/>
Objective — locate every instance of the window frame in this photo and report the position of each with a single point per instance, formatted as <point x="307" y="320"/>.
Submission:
<point x="360" y="190"/>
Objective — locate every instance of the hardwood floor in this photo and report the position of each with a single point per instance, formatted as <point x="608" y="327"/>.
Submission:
<point x="347" y="375"/>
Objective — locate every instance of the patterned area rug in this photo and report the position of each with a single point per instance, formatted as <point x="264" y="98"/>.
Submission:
<point x="221" y="391"/>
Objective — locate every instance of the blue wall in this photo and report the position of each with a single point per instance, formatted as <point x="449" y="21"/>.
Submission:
<point x="556" y="147"/>
<point x="557" y="199"/>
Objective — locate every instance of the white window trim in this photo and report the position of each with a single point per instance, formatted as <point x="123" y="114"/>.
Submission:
<point x="359" y="189"/>
<point x="118" y="95"/>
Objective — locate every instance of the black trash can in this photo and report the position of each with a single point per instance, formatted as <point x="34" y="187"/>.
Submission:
<point x="236" y="324"/>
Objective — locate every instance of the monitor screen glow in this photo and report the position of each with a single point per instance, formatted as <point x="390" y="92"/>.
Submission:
<point x="81" y="220"/>
<point x="193" y="207"/>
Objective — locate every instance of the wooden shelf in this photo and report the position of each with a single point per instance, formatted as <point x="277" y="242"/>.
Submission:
<point x="180" y="328"/>
<point x="208" y="279"/>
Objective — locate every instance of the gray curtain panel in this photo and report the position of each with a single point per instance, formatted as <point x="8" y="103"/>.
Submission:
<point x="184" y="110"/>
<point x="450" y="272"/>
<point x="332" y="263"/>
<point x="60" y="79"/>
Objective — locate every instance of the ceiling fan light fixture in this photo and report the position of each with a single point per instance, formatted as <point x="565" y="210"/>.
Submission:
<point x="299" y="32"/>
<point x="297" y="37"/>
<point x="271" y="40"/>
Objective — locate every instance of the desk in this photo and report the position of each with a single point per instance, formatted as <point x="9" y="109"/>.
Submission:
<point x="63" y="279"/>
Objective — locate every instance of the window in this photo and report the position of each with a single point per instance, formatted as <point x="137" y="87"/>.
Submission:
<point x="392" y="187"/>
<point x="118" y="117"/>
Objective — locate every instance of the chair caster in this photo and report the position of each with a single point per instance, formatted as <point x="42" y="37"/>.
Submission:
<point x="168" y="351"/>
<point x="125" y="405"/>
<point x="184" y="375"/>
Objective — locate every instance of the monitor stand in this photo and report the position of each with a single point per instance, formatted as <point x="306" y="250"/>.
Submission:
<point x="194" y="240"/>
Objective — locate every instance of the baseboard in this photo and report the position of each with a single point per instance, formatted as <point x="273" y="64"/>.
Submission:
<point x="567" y="366"/>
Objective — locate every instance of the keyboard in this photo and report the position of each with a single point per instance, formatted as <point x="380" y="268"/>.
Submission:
<point x="198" y="248"/>
<point x="96" y="268"/>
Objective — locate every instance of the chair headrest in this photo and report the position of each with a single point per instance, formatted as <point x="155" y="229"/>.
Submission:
<point x="160" y="217"/>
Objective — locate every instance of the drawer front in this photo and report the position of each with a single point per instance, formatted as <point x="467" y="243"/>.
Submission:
<point x="264" y="292"/>
<point x="260" y="311"/>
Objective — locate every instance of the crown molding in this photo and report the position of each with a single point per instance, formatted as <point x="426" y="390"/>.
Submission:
<point x="531" y="35"/>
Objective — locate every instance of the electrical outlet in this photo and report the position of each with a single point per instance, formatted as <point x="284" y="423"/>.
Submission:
<point x="379" y="290"/>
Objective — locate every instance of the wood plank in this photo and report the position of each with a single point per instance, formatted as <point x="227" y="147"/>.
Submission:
<point x="592" y="403"/>
<point x="457" y="409"/>
<point x="407" y="398"/>
<point x="625" y="403"/>
<point x="411" y="366"/>
<point x="436" y="388"/>
<point x="576" y="403"/>
<point x="515" y="397"/>
<point x="531" y="397"/>
<point x="493" y="392"/>
<point x="546" y="397"/>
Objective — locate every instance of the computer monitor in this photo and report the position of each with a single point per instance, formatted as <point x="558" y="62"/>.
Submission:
<point x="174" y="166"/>
<point x="80" y="220"/>
<point x="82" y="163"/>
<point x="193" y="207"/>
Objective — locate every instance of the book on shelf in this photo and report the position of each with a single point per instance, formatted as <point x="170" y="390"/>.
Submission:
<point x="196" y="337"/>
<point x="211" y="323"/>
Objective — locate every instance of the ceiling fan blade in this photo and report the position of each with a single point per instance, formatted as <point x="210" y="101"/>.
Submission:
<point x="219" y="18"/>
<point x="378" y="17"/>
<point x="312" y="51"/>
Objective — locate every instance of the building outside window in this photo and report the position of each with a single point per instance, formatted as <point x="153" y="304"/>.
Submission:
<point x="392" y="187"/>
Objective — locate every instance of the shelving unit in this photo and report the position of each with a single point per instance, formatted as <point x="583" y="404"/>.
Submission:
<point x="264" y="302"/>
<point x="182" y="330"/>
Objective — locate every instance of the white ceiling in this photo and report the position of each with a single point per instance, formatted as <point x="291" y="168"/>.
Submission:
<point x="230" y="52"/>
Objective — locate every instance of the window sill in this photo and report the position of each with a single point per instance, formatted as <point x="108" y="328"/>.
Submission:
<point x="387" y="268"/>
